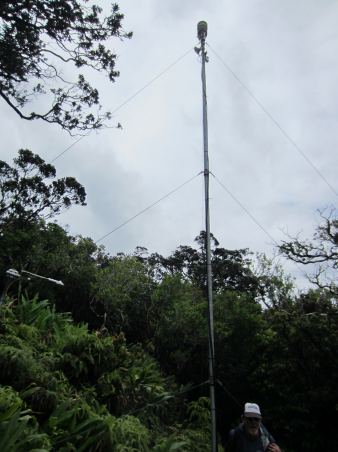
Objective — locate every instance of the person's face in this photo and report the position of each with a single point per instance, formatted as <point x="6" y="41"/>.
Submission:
<point x="252" y="425"/>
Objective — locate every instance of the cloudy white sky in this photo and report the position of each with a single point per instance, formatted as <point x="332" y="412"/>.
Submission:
<point x="284" y="52"/>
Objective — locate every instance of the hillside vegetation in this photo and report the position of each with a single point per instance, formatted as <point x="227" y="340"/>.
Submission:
<point x="117" y="358"/>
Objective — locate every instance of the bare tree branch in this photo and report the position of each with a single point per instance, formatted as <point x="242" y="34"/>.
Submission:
<point x="321" y="252"/>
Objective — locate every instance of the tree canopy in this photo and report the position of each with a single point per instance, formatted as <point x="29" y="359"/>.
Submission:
<point x="127" y="331"/>
<point x="26" y="196"/>
<point x="37" y="38"/>
<point x="231" y="270"/>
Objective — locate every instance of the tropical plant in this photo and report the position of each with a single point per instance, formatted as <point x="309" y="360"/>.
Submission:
<point x="18" y="429"/>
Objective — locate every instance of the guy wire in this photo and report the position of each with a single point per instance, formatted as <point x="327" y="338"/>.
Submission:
<point x="124" y="103"/>
<point x="131" y="413"/>
<point x="185" y="183"/>
<point x="280" y="128"/>
<point x="274" y="241"/>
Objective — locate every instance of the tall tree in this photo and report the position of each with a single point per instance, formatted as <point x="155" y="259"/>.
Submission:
<point x="230" y="268"/>
<point x="37" y="33"/>
<point x="26" y="195"/>
<point x="121" y="291"/>
<point x="30" y="194"/>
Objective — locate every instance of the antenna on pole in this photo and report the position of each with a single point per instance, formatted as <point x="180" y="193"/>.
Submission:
<point x="202" y="32"/>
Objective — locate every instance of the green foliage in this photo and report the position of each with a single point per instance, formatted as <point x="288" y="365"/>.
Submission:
<point x="231" y="268"/>
<point x="178" y="321"/>
<point x="199" y="413"/>
<point x="143" y="381"/>
<point x="28" y="197"/>
<point x="76" y="424"/>
<point x="32" y="313"/>
<point x="36" y="34"/>
<point x="196" y="434"/>
<point x="194" y="440"/>
<point x="60" y="378"/>
<point x="121" y="291"/>
<point x="10" y="402"/>
<point x="275" y="287"/>
<point x="71" y="380"/>
<point x="128" y="434"/>
<point x="18" y="430"/>
<point x="298" y="368"/>
<point x="169" y="444"/>
<point x="50" y="251"/>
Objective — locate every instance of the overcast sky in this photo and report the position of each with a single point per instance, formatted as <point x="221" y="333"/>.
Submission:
<point x="283" y="51"/>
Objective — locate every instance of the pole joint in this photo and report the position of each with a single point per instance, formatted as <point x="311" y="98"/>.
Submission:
<point x="211" y="381"/>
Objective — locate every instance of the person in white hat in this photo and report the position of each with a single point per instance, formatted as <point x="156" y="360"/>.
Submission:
<point x="251" y="436"/>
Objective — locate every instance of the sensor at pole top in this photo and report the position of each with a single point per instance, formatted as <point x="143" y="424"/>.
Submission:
<point x="202" y="30"/>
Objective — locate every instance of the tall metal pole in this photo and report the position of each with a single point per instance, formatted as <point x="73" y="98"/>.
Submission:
<point x="202" y="31"/>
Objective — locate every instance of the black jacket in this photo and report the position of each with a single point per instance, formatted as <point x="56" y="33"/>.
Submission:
<point x="236" y="435"/>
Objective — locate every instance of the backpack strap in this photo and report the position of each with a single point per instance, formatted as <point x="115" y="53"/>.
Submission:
<point x="237" y="434"/>
<point x="268" y="438"/>
<point x="233" y="438"/>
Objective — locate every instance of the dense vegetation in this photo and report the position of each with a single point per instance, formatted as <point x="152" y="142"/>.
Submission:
<point x="127" y="332"/>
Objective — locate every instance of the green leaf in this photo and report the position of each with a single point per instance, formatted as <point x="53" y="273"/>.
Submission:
<point x="10" y="412"/>
<point x="13" y="431"/>
<point x="61" y="409"/>
<point x="57" y="330"/>
<point x="177" y="445"/>
<point x="25" y="394"/>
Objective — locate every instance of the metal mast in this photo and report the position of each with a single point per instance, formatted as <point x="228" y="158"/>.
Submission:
<point x="202" y="31"/>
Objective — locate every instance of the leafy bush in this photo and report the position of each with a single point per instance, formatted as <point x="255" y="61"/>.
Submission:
<point x="63" y="387"/>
